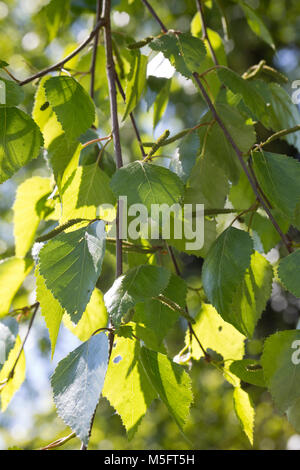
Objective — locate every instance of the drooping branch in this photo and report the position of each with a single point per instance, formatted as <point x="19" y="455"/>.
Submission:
<point x="66" y="59"/>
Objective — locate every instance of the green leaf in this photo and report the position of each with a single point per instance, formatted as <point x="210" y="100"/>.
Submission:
<point x="245" y="411"/>
<point x="214" y="37"/>
<point x="71" y="264"/>
<point x="241" y="195"/>
<point x="225" y="266"/>
<point x="169" y="46"/>
<point x="216" y="41"/>
<point x="156" y="317"/>
<point x="293" y="414"/>
<point x="72" y="105"/>
<point x="50" y="308"/>
<point x="193" y="51"/>
<point x="199" y="188"/>
<point x="252" y="295"/>
<point x="246" y="89"/>
<point x="11" y="93"/>
<point x="280" y="361"/>
<point x="3" y="64"/>
<point x="288" y="272"/>
<point x="249" y="371"/>
<point x="282" y="112"/>
<point x="13" y="272"/>
<point x="126" y="385"/>
<point x="145" y="183"/>
<point x="137" y="285"/>
<point x="217" y="148"/>
<point x="44" y="115"/>
<point x="88" y="189"/>
<point x="210" y="234"/>
<point x="77" y="383"/>
<point x="185" y="157"/>
<point x="257" y="25"/>
<point x="154" y="86"/>
<point x="278" y="176"/>
<point x="26" y="214"/>
<point x="135" y="82"/>
<point x="264" y="234"/>
<point x="63" y="157"/>
<point x="94" y="317"/>
<point x="9" y="328"/>
<point x="20" y="141"/>
<point x="13" y="385"/>
<point x="161" y="103"/>
<point x="217" y="335"/>
<point x="185" y="52"/>
<point x="171" y="382"/>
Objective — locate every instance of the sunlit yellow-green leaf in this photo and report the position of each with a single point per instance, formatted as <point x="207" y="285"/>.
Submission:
<point x="50" y="308"/>
<point x="216" y="334"/>
<point x="13" y="271"/>
<point x="13" y="385"/>
<point x="94" y="317"/>
<point x="245" y="411"/>
<point x="27" y="213"/>
<point x="126" y="385"/>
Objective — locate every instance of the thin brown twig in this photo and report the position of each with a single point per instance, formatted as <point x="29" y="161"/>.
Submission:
<point x="94" y="141"/>
<point x="279" y="135"/>
<point x="66" y="59"/>
<point x="253" y="209"/>
<point x="257" y="184"/>
<point x="205" y="33"/>
<point x="207" y="357"/>
<point x="59" y="442"/>
<point x="95" y="49"/>
<point x="192" y="332"/>
<point x="159" y="21"/>
<point x="11" y="374"/>
<point x="111" y="74"/>
<point x="132" y="118"/>
<point x="179" y="135"/>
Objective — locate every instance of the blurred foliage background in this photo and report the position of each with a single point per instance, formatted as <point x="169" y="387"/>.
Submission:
<point x="28" y="45"/>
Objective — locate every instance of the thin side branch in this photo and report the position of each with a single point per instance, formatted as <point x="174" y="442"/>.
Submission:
<point x="133" y="121"/>
<point x="59" y="442"/>
<point x="204" y="31"/>
<point x="179" y="135"/>
<point x="11" y="374"/>
<point x="155" y="16"/>
<point x="95" y="48"/>
<point x="192" y="332"/>
<point x="111" y="74"/>
<point x="279" y="135"/>
<point x="70" y="56"/>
